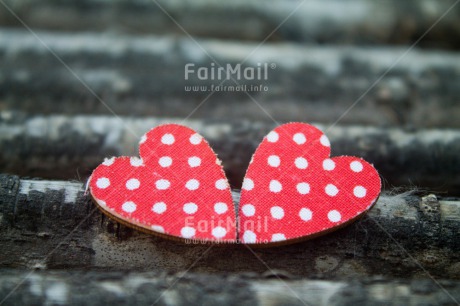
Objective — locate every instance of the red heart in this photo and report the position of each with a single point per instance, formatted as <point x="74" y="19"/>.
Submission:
<point x="177" y="188"/>
<point x="292" y="189"/>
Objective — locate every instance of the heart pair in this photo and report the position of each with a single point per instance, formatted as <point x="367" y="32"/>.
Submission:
<point x="292" y="190"/>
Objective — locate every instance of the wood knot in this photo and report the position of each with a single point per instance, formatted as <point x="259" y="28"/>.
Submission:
<point x="430" y="205"/>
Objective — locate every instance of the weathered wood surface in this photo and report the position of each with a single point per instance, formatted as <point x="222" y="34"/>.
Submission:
<point x="145" y="75"/>
<point x="53" y="225"/>
<point x="71" y="147"/>
<point x="109" y="288"/>
<point x="313" y="21"/>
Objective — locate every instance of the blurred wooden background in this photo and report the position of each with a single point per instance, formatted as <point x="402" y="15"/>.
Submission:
<point x="83" y="80"/>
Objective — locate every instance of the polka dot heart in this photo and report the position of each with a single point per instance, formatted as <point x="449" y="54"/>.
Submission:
<point x="176" y="188"/>
<point x="293" y="189"/>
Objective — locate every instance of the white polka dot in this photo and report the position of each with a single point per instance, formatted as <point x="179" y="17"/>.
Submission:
<point x="165" y="161"/>
<point x="101" y="203"/>
<point x="132" y="184"/>
<point x="195" y="139"/>
<point x="328" y="164"/>
<point x="299" y="138"/>
<point x="158" y="228"/>
<point x="277" y="212"/>
<point x="331" y="190"/>
<point x="273" y="160"/>
<point x="249" y="237"/>
<point x="135" y="161"/>
<point x="248" y="184"/>
<point x="273" y="136"/>
<point x="167" y="139"/>
<point x="334" y="216"/>
<point x="221" y="184"/>
<point x="192" y="184"/>
<point x="325" y="141"/>
<point x="275" y="186"/>
<point x="303" y="188"/>
<point x="248" y="210"/>
<point x="278" y="237"/>
<point x="108" y="161"/>
<point x="128" y="207"/>
<point x="305" y="214"/>
<point x="190" y="208"/>
<point x="194" y="161"/>
<point x="159" y="207"/>
<point x="359" y="191"/>
<point x="102" y="182"/>
<point x="219" y="232"/>
<point x="187" y="232"/>
<point x="220" y="208"/>
<point x="301" y="163"/>
<point x="162" y="184"/>
<point x="356" y="166"/>
<point x="143" y="139"/>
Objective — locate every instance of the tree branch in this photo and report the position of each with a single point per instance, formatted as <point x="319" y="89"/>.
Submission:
<point x="353" y="22"/>
<point x="52" y="224"/>
<point x="146" y="77"/>
<point x="71" y="147"/>
<point x="147" y="288"/>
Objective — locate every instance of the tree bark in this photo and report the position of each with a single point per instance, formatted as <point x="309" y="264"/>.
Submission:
<point x="71" y="147"/>
<point x="146" y="76"/>
<point x="53" y="225"/>
<point x="147" y="288"/>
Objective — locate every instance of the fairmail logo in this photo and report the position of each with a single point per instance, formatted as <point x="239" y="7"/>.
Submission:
<point x="218" y="229"/>
<point x="228" y="72"/>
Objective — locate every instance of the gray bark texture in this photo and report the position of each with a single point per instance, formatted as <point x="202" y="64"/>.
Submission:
<point x="314" y="21"/>
<point x="149" y="288"/>
<point x="53" y="225"/>
<point x="71" y="147"/>
<point x="145" y="76"/>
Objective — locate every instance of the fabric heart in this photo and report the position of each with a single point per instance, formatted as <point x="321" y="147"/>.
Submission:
<point x="294" y="190"/>
<point x="177" y="188"/>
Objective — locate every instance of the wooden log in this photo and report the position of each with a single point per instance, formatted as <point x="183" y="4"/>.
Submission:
<point x="314" y="21"/>
<point x="53" y="225"/>
<point x="150" y="288"/>
<point x="71" y="147"/>
<point x="145" y="76"/>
